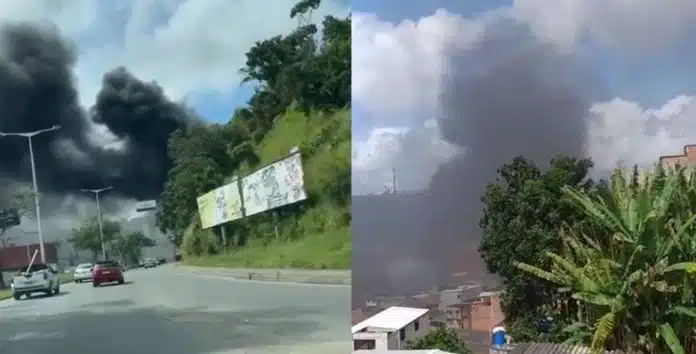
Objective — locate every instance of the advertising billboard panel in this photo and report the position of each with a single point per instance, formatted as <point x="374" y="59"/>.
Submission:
<point x="275" y="185"/>
<point x="221" y="205"/>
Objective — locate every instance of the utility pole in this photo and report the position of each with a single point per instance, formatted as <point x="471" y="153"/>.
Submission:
<point x="99" y="215"/>
<point x="393" y="180"/>
<point x="37" y="203"/>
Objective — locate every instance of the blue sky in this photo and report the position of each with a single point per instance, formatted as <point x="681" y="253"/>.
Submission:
<point x="640" y="53"/>
<point x="192" y="48"/>
<point x="650" y="78"/>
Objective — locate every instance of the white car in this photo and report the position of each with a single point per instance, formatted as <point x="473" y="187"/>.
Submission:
<point x="83" y="272"/>
<point x="35" y="278"/>
<point x="150" y="263"/>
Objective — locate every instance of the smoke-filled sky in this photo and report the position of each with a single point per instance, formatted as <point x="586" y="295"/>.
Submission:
<point x="445" y="91"/>
<point x="89" y="66"/>
<point x="612" y="79"/>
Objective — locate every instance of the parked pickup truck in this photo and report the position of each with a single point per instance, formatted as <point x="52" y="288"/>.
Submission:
<point x="35" y="278"/>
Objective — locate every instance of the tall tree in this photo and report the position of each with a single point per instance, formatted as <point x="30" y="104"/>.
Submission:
<point x="445" y="339"/>
<point x="200" y="160"/>
<point x="87" y="237"/>
<point x="128" y="246"/>
<point x="636" y="286"/>
<point x="523" y="212"/>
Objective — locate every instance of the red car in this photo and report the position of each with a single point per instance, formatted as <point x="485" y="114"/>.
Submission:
<point x="106" y="272"/>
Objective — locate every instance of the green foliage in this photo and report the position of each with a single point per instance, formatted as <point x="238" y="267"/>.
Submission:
<point x="22" y="202"/>
<point x="198" y="242"/>
<point x="128" y="247"/>
<point x="198" y="158"/>
<point x="523" y="212"/>
<point x="302" y="91"/>
<point x="634" y="274"/>
<point x="87" y="236"/>
<point x="444" y="339"/>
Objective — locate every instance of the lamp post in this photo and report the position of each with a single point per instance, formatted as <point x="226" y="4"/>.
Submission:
<point x="99" y="215"/>
<point x="30" y="135"/>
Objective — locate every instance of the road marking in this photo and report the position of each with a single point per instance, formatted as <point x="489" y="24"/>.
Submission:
<point x="213" y="276"/>
<point x="32" y="335"/>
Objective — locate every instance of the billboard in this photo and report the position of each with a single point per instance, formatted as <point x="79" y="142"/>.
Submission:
<point x="145" y="205"/>
<point x="275" y="185"/>
<point x="221" y="205"/>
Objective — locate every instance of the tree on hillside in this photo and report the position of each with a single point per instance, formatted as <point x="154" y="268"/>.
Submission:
<point x="297" y="68"/>
<point x="294" y="74"/>
<point x="199" y="159"/>
<point x="87" y="236"/>
<point x="128" y="246"/>
<point x="445" y="339"/>
<point x="523" y="213"/>
<point x="634" y="276"/>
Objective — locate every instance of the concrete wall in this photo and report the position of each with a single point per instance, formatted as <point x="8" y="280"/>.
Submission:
<point x="386" y="340"/>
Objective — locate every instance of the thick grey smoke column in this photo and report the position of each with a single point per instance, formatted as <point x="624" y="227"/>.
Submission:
<point x="37" y="90"/>
<point x="509" y="95"/>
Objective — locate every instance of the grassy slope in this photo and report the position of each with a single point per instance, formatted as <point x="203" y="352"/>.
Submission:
<point x="324" y="229"/>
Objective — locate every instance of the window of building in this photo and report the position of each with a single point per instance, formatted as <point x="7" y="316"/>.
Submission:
<point x="402" y="334"/>
<point x="359" y="344"/>
<point x="416" y="325"/>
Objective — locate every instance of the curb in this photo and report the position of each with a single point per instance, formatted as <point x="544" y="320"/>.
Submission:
<point x="329" y="277"/>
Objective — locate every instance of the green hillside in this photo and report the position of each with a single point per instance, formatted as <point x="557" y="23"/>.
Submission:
<point x="313" y="234"/>
<point x="302" y="98"/>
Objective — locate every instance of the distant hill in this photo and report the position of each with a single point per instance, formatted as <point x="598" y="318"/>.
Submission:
<point x="404" y="243"/>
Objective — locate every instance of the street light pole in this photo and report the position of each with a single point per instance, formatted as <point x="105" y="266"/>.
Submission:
<point x="35" y="184"/>
<point x="99" y="215"/>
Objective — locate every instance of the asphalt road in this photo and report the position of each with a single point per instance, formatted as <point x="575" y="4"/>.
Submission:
<point x="164" y="310"/>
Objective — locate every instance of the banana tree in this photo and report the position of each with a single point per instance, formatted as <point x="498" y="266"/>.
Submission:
<point x="634" y="274"/>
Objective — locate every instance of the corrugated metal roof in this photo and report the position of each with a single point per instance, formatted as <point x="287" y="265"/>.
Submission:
<point x="551" y="348"/>
<point x="393" y="318"/>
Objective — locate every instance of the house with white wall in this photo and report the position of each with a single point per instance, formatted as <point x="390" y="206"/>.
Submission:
<point x="391" y="329"/>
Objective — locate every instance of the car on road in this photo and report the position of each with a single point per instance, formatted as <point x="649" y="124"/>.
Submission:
<point x="35" y="278"/>
<point x="107" y="272"/>
<point x="161" y="260"/>
<point x="83" y="272"/>
<point x="150" y="263"/>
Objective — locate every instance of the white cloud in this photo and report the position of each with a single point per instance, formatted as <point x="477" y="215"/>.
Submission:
<point x="624" y="132"/>
<point x="397" y="67"/>
<point x="629" y="24"/>
<point x="187" y="46"/>
<point x="201" y="46"/>
<point x="412" y="154"/>
<point x="396" y="77"/>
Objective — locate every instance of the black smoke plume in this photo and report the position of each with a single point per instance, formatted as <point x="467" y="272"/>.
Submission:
<point x="509" y="95"/>
<point x="37" y="91"/>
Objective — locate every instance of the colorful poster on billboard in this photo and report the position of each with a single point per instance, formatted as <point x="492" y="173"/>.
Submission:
<point x="220" y="205"/>
<point x="275" y="185"/>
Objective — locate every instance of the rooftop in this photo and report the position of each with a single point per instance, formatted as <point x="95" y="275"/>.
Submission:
<point x="425" y="351"/>
<point x="391" y="319"/>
